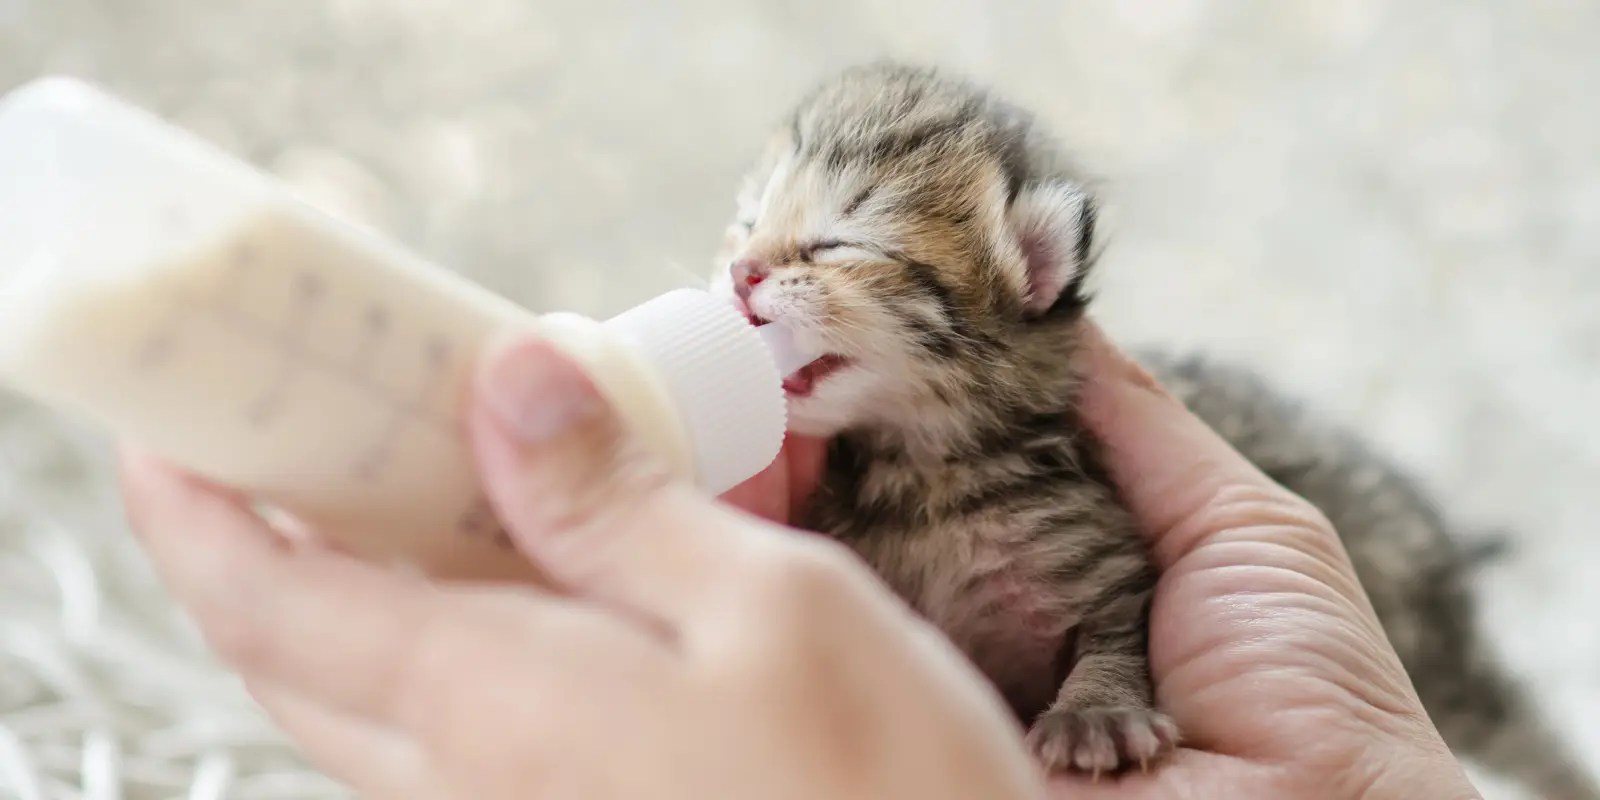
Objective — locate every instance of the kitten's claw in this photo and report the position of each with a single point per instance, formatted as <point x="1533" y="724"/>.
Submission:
<point x="1096" y="740"/>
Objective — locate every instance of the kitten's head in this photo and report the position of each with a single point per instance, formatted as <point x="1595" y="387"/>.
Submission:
<point x="921" y="233"/>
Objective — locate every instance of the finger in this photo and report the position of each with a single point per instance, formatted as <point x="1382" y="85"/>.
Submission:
<point x="313" y="621"/>
<point x="376" y="760"/>
<point x="1181" y="480"/>
<point x="765" y="494"/>
<point x="805" y="457"/>
<point x="779" y="492"/>
<point x="1165" y="459"/>
<point x="582" y="497"/>
<point x="347" y="634"/>
<point x="1188" y="486"/>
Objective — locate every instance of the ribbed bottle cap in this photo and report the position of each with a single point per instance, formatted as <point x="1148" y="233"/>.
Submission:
<point x="722" y="376"/>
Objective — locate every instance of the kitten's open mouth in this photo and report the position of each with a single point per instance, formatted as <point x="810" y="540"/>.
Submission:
<point x="803" y="381"/>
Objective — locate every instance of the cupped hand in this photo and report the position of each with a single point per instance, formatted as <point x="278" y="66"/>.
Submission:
<point x="1263" y="645"/>
<point x="691" y="650"/>
<point x="779" y="492"/>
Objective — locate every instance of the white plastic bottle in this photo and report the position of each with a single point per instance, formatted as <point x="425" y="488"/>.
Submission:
<point x="191" y="305"/>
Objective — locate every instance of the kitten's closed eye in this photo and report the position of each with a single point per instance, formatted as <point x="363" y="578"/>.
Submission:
<point x="828" y="252"/>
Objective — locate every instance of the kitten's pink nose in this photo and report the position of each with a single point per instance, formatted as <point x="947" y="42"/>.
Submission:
<point x="747" y="274"/>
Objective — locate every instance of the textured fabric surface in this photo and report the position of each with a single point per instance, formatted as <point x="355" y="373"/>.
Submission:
<point x="1390" y="208"/>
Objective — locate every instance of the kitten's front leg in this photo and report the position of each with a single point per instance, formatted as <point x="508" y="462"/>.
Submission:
<point x="1104" y="718"/>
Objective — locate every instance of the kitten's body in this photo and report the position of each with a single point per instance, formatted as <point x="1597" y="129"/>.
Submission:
<point x="1015" y="547"/>
<point x="924" y="235"/>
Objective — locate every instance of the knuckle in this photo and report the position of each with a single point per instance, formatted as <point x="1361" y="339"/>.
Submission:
<point x="595" y="547"/>
<point x="618" y="484"/>
<point x="635" y="488"/>
<point x="800" y="572"/>
<point x="1259" y="510"/>
<point x="804" y="577"/>
<point x="797" y="601"/>
<point x="1242" y="505"/>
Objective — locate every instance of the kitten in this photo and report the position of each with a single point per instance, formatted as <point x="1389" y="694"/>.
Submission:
<point x="936" y="245"/>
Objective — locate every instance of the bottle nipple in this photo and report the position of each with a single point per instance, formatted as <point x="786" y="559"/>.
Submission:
<point x="787" y="354"/>
<point x="722" y="375"/>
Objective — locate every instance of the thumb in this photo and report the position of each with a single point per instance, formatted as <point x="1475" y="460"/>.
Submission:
<point x="581" y="496"/>
<point x="1189" y="489"/>
<point x="1180" y="479"/>
<point x="1259" y="607"/>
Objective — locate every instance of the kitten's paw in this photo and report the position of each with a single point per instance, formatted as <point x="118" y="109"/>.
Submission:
<point x="1096" y="740"/>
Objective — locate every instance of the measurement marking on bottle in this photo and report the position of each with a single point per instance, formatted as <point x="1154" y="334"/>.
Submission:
<point x="298" y="357"/>
<point x="436" y="357"/>
<point x="157" y="349"/>
<point x="231" y="286"/>
<point x="374" y="329"/>
<point x="269" y="402"/>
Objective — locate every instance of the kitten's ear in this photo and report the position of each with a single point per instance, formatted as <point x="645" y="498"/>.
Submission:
<point x="1054" y="226"/>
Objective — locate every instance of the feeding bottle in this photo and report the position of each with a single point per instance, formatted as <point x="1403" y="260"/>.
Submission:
<point x="193" y="306"/>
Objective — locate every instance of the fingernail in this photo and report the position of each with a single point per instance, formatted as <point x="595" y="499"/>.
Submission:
<point x="536" y="393"/>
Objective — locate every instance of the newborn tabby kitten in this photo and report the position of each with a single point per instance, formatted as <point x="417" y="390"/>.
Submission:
<point x="929" y="239"/>
<point x="918" y="231"/>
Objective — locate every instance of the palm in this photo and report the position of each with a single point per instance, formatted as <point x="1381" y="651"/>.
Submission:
<point x="1260" y="641"/>
<point x="1265" y="653"/>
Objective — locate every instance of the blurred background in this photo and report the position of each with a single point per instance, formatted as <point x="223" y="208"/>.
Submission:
<point x="1392" y="209"/>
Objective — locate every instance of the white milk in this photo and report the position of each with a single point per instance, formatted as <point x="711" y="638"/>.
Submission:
<point x="188" y="304"/>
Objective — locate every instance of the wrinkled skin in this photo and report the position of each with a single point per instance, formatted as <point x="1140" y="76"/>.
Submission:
<point x="1263" y="646"/>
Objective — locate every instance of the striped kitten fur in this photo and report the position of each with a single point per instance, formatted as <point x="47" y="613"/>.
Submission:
<point x="935" y="244"/>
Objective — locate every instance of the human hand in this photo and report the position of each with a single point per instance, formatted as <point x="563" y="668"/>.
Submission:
<point x="691" y="651"/>
<point x="779" y="492"/>
<point x="1264" y="647"/>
